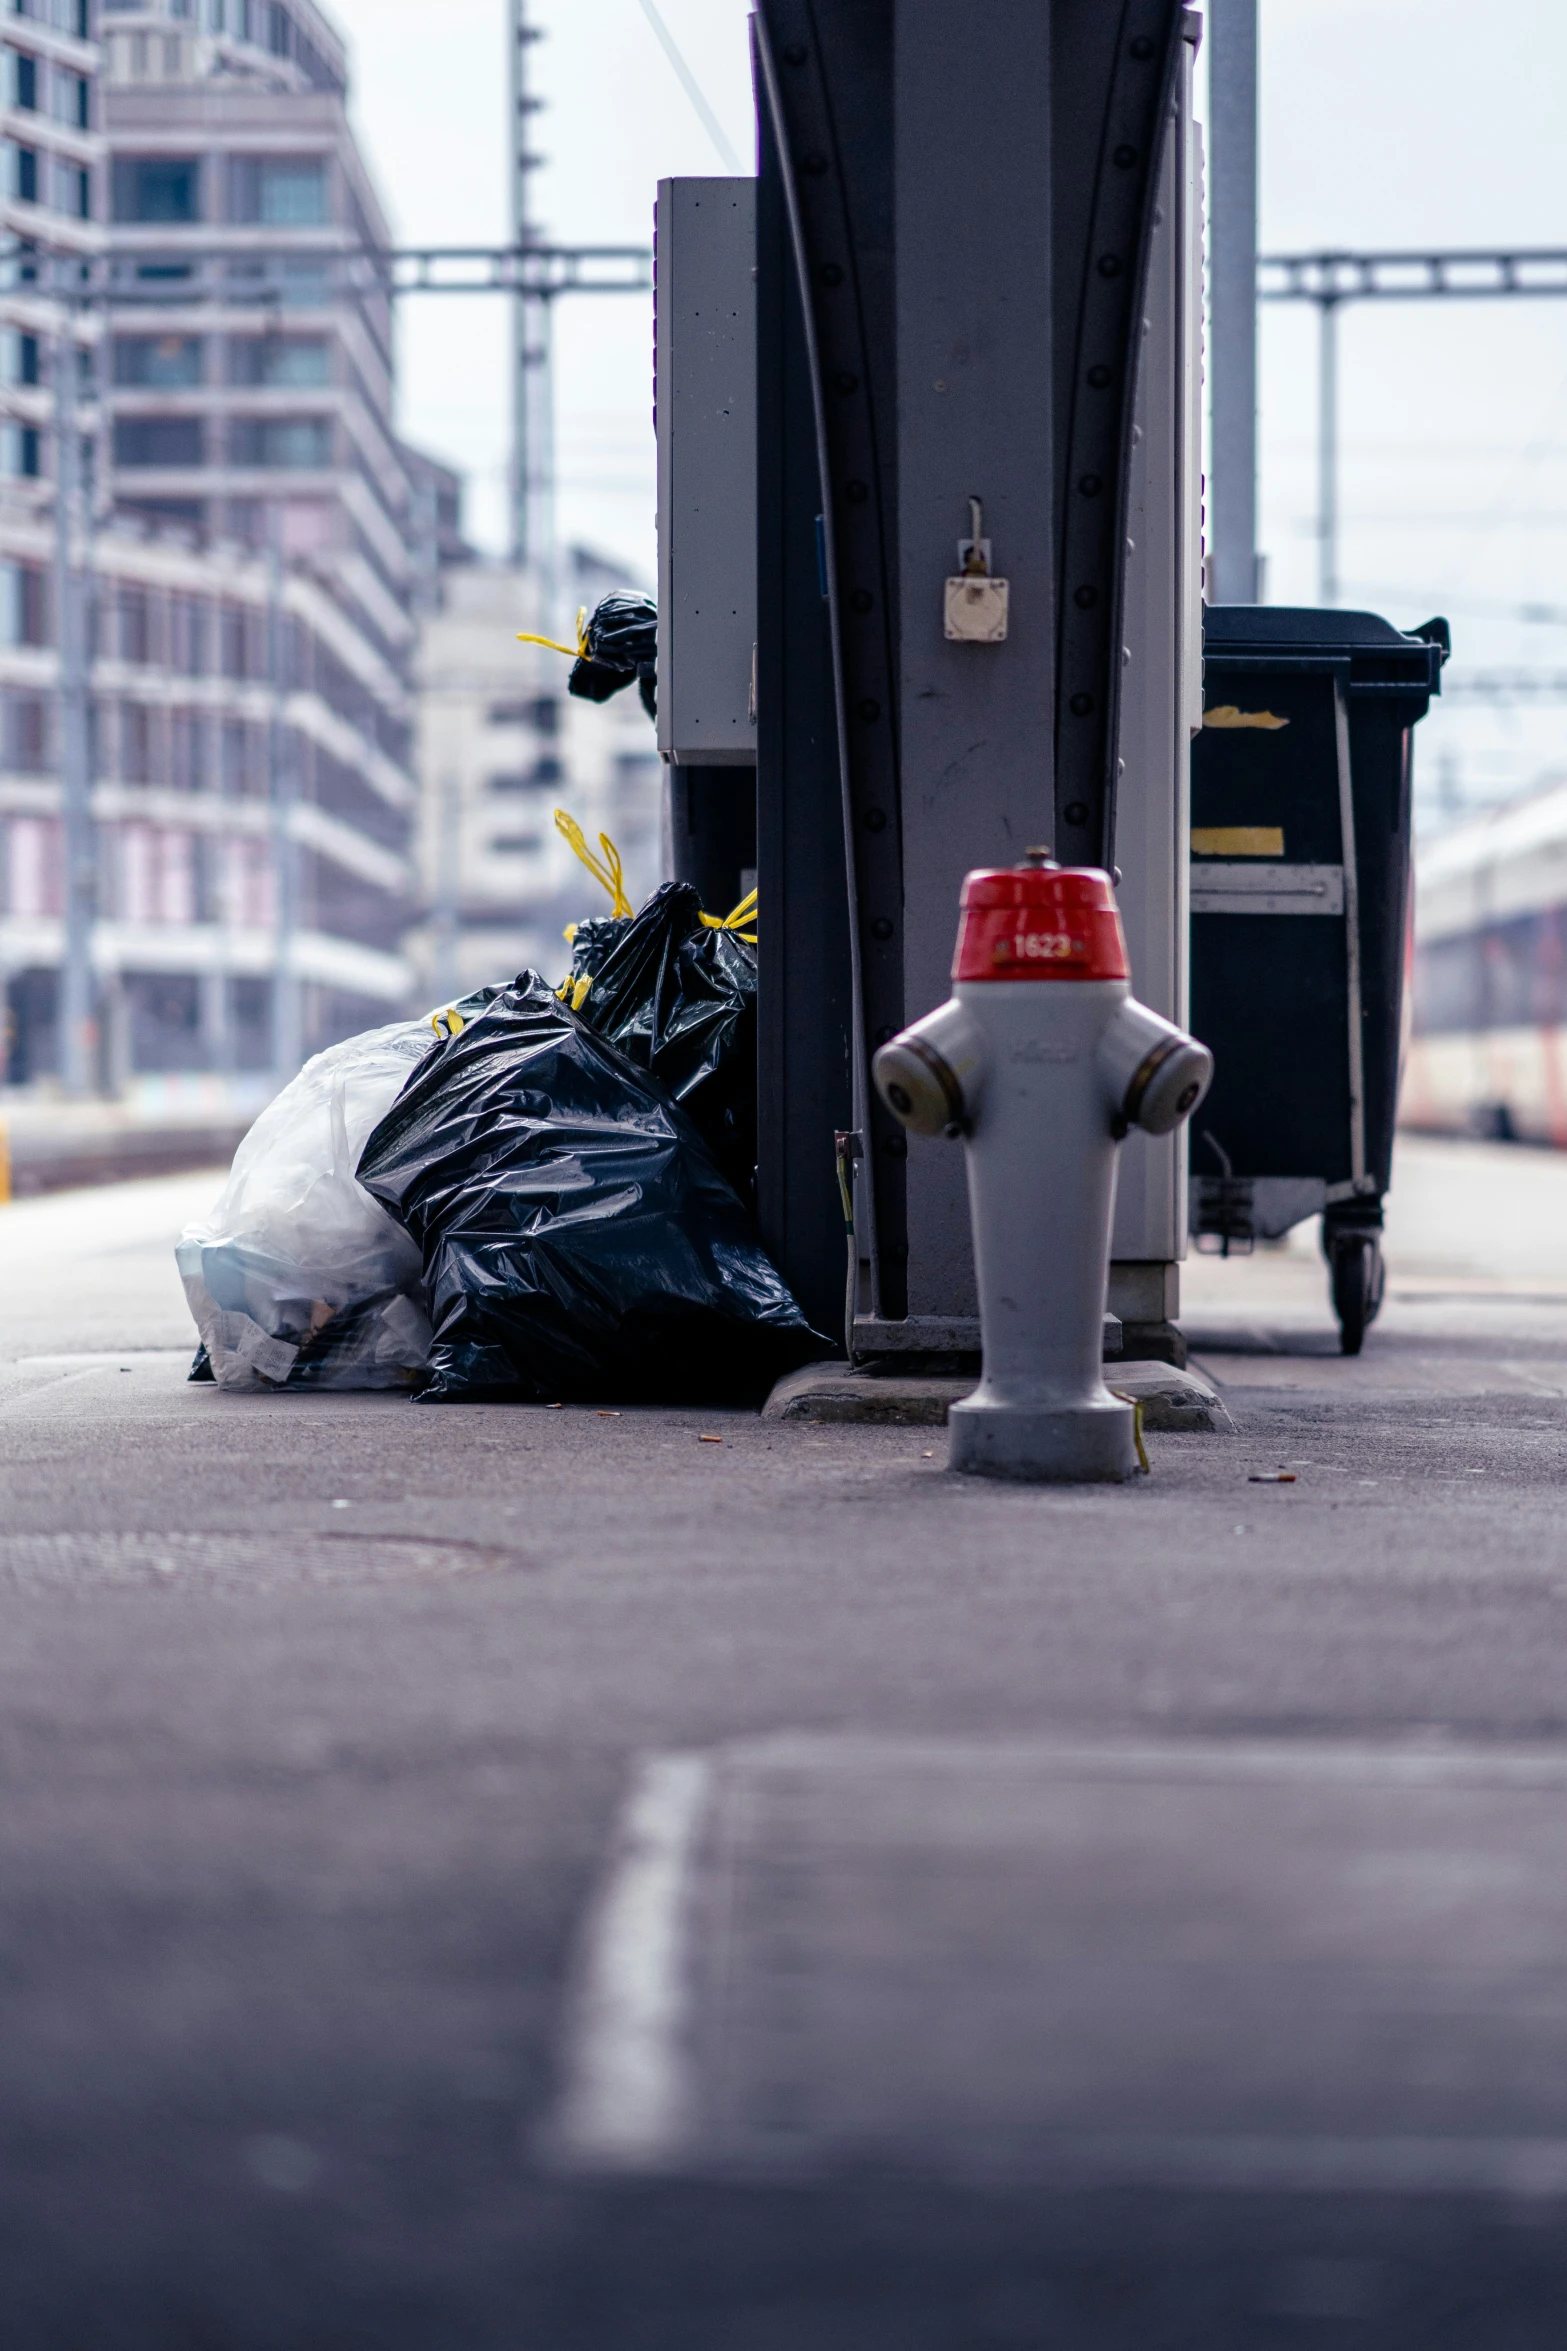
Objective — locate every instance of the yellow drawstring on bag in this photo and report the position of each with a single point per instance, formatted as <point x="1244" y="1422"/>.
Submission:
<point x="608" y="869"/>
<point x="577" y="652"/>
<point x="448" y="1022"/>
<point x="736" y="921"/>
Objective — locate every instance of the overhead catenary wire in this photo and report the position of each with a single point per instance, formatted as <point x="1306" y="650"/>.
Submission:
<point x="692" y="88"/>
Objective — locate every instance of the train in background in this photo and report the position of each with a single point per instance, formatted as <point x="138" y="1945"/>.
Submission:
<point x="1487" y="1045"/>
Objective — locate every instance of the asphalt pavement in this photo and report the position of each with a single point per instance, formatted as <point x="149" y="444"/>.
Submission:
<point x="506" y="1878"/>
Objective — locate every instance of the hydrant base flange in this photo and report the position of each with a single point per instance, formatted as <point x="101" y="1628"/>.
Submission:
<point x="1092" y="1443"/>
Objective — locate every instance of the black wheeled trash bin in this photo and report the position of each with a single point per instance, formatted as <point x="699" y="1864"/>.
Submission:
<point x="1300" y="907"/>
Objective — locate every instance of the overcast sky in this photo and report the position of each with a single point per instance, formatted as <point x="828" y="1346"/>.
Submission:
<point x="1384" y="123"/>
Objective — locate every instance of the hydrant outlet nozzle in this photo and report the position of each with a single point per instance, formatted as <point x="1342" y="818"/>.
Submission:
<point x="930" y="1076"/>
<point x="1156" y="1073"/>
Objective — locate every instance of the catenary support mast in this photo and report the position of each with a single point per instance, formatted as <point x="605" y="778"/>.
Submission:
<point x="1232" y="276"/>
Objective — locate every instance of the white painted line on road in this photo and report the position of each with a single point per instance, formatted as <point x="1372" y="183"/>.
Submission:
<point x="1178" y="1760"/>
<point x="627" y="2101"/>
<point x="1406" y="2166"/>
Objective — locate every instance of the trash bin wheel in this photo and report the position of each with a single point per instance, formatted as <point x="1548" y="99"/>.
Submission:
<point x="1358" y="1275"/>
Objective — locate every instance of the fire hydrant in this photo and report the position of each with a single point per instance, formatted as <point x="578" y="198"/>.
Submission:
<point x="1042" y="1060"/>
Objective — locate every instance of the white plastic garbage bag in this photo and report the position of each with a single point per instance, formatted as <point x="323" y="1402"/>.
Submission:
<point x="298" y="1277"/>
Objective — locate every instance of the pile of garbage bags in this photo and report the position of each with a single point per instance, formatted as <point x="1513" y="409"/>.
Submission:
<point x="538" y="1193"/>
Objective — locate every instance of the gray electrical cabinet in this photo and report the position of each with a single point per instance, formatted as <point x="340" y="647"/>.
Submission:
<point x="1161" y="709"/>
<point x="705" y="417"/>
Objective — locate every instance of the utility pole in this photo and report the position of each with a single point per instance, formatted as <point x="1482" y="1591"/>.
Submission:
<point x="77" y="1028"/>
<point x="533" y="423"/>
<point x="448" y="889"/>
<point x="1330" y="280"/>
<point x="288" y="1041"/>
<point x="1232" y="250"/>
<point x="1327" y="452"/>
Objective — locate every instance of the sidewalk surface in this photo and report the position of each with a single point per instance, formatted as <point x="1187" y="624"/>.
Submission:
<point x="506" y="1878"/>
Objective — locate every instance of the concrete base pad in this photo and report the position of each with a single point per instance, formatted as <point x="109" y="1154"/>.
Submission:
<point x="1082" y="1444"/>
<point x="1171" y="1400"/>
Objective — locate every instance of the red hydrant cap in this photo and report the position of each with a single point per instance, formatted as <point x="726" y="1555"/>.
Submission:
<point x="1039" y="921"/>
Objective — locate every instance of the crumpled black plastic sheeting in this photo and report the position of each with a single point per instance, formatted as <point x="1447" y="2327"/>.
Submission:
<point x="622" y="644"/>
<point x="579" y="1243"/>
<point x="679" y="999"/>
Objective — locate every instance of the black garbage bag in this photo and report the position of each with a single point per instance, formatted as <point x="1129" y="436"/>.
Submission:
<point x="621" y="642"/>
<point x="593" y="940"/>
<point x="579" y="1243"/>
<point x="678" y="996"/>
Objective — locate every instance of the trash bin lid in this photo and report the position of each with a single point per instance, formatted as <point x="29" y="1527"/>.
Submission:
<point x="1286" y="636"/>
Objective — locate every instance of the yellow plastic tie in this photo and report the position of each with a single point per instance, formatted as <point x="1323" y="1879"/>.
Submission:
<point x="1136" y="1404"/>
<point x="608" y="870"/>
<point x="579" y="994"/>
<point x="577" y="652"/>
<point x="736" y="920"/>
<point x="448" y="1022"/>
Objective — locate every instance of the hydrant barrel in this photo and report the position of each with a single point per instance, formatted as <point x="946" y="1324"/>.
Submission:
<point x="1041" y="1060"/>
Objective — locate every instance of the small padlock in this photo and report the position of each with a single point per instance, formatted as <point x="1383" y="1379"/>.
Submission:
<point x="975" y="604"/>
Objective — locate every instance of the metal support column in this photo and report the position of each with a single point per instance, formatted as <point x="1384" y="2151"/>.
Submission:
<point x="77" y="1030"/>
<point x="288" y="1037"/>
<point x="1327" y="451"/>
<point x="929" y="162"/>
<point x="1232" y="286"/>
<point x="533" y="450"/>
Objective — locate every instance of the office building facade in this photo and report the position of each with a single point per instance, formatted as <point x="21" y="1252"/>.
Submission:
<point x="249" y="547"/>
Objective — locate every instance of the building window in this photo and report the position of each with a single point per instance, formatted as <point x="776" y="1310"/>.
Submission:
<point x="36" y="883"/>
<point x="185" y="751"/>
<point x="157" y="440"/>
<point x="278" y="191"/>
<point x="542" y="714"/>
<point x="291" y="362"/>
<point x="135" y="743"/>
<point x="545" y="774"/>
<point x="26" y="744"/>
<point x="24" y="91"/>
<point x="299" y="443"/>
<point x="187" y="635"/>
<point x="243" y="642"/>
<point x="24" y="183"/>
<point x="164" y="362"/>
<point x="157" y="188"/>
<point x="68" y="99"/>
<point x="72" y="190"/>
<point x="157" y="875"/>
<point x="135" y="625"/>
<point x="23" y="605"/>
<point x="232" y="641"/>
<point x="18" y="357"/>
<point x="19" y="451"/>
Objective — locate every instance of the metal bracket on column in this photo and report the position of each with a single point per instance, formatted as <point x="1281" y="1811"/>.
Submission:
<point x="828" y="73"/>
<point x="1114" y="69"/>
<point x="808" y="56"/>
